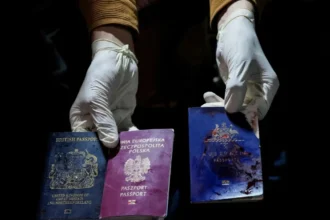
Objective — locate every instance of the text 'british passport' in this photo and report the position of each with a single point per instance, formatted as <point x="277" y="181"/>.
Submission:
<point x="74" y="177"/>
<point x="225" y="158"/>
<point x="138" y="177"/>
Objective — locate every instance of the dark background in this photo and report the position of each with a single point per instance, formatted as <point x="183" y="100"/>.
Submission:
<point x="176" y="51"/>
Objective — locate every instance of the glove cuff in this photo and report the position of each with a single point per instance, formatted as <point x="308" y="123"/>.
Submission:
<point x="103" y="43"/>
<point x="238" y="13"/>
<point x="112" y="45"/>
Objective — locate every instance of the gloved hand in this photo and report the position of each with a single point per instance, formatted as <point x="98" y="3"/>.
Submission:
<point x="106" y="100"/>
<point x="244" y="68"/>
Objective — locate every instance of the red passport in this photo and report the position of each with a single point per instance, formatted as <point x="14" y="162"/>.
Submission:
<point x="137" y="179"/>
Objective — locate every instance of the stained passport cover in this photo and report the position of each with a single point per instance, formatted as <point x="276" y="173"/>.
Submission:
<point x="74" y="177"/>
<point x="137" y="179"/>
<point x="225" y="158"/>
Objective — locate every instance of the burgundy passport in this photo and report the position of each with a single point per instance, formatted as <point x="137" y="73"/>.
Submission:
<point x="138" y="177"/>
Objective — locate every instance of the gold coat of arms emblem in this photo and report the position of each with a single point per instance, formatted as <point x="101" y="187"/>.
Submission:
<point x="73" y="170"/>
<point x="135" y="169"/>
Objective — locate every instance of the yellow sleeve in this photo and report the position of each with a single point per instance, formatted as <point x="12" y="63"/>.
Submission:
<point x="217" y="5"/>
<point x="103" y="12"/>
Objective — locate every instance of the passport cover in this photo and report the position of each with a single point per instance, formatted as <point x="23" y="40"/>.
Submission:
<point x="137" y="179"/>
<point x="74" y="177"/>
<point x="225" y="158"/>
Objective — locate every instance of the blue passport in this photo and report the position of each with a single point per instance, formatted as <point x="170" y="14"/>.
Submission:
<point x="74" y="177"/>
<point x="225" y="158"/>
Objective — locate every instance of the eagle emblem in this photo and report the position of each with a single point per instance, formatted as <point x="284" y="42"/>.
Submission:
<point x="135" y="169"/>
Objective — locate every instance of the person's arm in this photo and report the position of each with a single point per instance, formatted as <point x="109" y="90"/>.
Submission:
<point x="219" y="9"/>
<point x="106" y="99"/>
<point x="114" y="20"/>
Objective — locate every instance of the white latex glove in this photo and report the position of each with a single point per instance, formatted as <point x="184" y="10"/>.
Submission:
<point x="244" y="68"/>
<point x="106" y="100"/>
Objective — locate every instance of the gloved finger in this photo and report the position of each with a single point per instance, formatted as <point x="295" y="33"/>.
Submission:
<point x="213" y="104"/>
<point x="251" y="115"/>
<point x="80" y="121"/>
<point x="270" y="85"/>
<point x="212" y="100"/>
<point x="120" y="115"/>
<point x="212" y="97"/>
<point x="125" y="109"/>
<point x="250" y="112"/>
<point x="236" y="86"/>
<point x="104" y="122"/>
